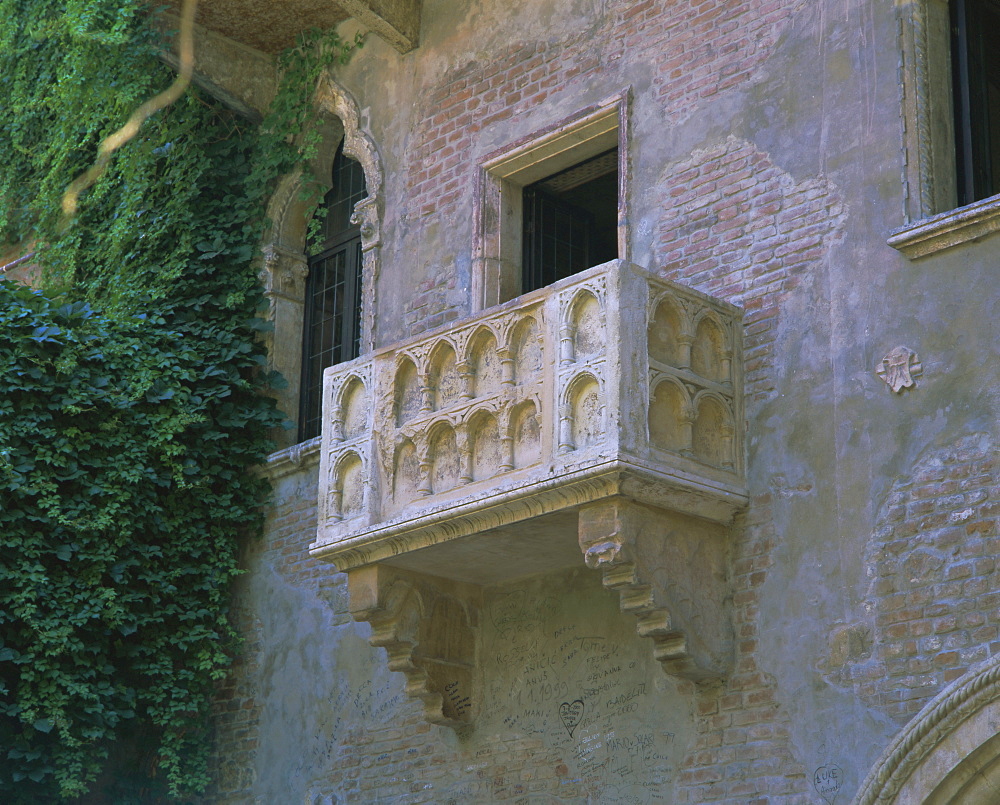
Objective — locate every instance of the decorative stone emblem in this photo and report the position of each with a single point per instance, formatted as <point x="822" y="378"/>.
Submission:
<point x="899" y="368"/>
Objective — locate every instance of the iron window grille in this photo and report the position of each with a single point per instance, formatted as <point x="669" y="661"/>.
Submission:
<point x="570" y="221"/>
<point x="332" y="318"/>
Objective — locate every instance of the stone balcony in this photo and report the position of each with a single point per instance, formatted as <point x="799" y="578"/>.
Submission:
<point x="599" y="418"/>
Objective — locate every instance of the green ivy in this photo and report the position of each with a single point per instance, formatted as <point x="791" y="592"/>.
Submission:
<point x="131" y="405"/>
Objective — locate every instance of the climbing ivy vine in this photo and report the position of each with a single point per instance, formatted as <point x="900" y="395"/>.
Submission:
<point x="131" y="404"/>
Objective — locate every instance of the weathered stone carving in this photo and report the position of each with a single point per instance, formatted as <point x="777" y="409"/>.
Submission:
<point x="284" y="273"/>
<point x="899" y="368"/>
<point x="948" y="752"/>
<point x="611" y="391"/>
<point x="427" y="628"/>
<point x="366" y="218"/>
<point x="670" y="572"/>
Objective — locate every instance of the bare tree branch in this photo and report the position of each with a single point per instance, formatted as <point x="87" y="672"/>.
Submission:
<point x="114" y="141"/>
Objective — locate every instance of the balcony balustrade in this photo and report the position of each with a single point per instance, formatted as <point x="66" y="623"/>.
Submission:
<point x="601" y="414"/>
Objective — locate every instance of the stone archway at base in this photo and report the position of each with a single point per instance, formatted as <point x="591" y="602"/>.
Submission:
<point x="949" y="752"/>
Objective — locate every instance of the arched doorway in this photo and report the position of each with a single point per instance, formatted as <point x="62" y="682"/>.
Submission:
<point x="949" y="754"/>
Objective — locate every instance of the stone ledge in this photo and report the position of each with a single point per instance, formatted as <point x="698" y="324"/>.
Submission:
<point x="298" y="457"/>
<point x="952" y="228"/>
<point x="665" y="487"/>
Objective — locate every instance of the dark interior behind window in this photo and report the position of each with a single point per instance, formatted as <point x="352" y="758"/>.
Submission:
<point x="975" y="48"/>
<point x="570" y="221"/>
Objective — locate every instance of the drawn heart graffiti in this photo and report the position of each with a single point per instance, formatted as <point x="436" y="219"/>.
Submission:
<point x="571" y="714"/>
<point x="827" y="781"/>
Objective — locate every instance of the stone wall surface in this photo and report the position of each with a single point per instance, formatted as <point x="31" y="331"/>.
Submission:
<point x="765" y="164"/>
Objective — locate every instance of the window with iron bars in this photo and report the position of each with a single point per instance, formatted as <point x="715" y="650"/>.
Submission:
<point x="332" y="322"/>
<point x="570" y="221"/>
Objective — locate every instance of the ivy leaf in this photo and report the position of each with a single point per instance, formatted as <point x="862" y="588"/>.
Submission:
<point x="43" y="334"/>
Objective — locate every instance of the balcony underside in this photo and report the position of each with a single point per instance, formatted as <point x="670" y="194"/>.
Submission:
<point x="270" y="27"/>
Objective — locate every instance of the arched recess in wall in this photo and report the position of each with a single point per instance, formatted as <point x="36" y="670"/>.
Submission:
<point x="949" y="752"/>
<point x="285" y="261"/>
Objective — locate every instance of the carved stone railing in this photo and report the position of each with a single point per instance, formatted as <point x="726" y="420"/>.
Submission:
<point x="605" y="409"/>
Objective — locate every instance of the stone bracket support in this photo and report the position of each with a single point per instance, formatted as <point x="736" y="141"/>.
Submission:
<point x="427" y="626"/>
<point x="670" y="572"/>
<point x="396" y="21"/>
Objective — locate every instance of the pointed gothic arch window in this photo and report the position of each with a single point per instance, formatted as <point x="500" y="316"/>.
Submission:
<point x="331" y="331"/>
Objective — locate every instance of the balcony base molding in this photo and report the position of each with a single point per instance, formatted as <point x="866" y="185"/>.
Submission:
<point x="665" y="487"/>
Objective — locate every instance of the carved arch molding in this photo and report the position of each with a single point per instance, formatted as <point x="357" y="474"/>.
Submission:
<point x="949" y="753"/>
<point x="285" y="263"/>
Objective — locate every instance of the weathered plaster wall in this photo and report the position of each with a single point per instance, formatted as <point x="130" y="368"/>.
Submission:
<point x="569" y="703"/>
<point x="766" y="169"/>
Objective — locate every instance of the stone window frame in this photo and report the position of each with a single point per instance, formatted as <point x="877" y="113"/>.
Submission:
<point x="933" y="222"/>
<point x="502" y="174"/>
<point x="285" y="261"/>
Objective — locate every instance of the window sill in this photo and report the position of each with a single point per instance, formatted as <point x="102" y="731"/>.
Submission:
<point x="948" y="229"/>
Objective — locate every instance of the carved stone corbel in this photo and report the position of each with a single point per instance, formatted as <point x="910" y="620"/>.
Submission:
<point x="669" y="571"/>
<point x="426" y="626"/>
<point x="284" y="274"/>
<point x="366" y="218"/>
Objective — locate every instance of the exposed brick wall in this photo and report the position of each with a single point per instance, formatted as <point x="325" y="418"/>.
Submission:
<point x="699" y="50"/>
<point x="236" y="716"/>
<point x="433" y="305"/>
<point x="935" y="587"/>
<point x="693" y="51"/>
<point x="290" y="526"/>
<point x="376" y="746"/>
<point x="738" y="227"/>
<point x="743" y="752"/>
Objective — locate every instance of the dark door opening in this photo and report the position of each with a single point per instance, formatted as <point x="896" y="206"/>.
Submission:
<point x="975" y="49"/>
